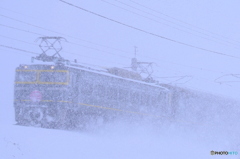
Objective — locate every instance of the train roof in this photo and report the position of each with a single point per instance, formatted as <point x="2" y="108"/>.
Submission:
<point x="111" y="71"/>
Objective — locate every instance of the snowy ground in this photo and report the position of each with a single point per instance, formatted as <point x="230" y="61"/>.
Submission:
<point x="116" y="141"/>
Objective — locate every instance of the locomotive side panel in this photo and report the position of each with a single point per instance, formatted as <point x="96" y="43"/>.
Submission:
<point x="100" y="93"/>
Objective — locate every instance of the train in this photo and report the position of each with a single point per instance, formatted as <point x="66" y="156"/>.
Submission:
<point x="57" y="95"/>
<point x="69" y="95"/>
<point x="60" y="96"/>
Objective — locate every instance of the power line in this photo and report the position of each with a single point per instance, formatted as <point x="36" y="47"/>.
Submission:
<point x="63" y="34"/>
<point x="17" y="49"/>
<point x="59" y="32"/>
<point x="18" y="40"/>
<point x="10" y="47"/>
<point x="150" y="33"/>
<point x="105" y="60"/>
<point x="22" y="14"/>
<point x="205" y="36"/>
<point x="182" y="65"/>
<point x="94" y="58"/>
<point x="68" y="42"/>
<point x="27" y="31"/>
<point x="98" y="50"/>
<point x="62" y="50"/>
<point x="54" y="32"/>
<point x="7" y="49"/>
<point x="109" y="52"/>
<point x="199" y="78"/>
<point x="182" y="21"/>
<point x="26" y="51"/>
<point x="188" y="66"/>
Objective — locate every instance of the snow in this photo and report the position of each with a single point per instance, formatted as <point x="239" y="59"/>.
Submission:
<point x="26" y="143"/>
<point x="114" y="141"/>
<point x="123" y="140"/>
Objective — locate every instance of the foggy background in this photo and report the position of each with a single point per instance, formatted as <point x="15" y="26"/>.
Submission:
<point x="212" y="25"/>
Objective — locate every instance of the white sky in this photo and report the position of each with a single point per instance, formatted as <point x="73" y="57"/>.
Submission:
<point x="214" y="25"/>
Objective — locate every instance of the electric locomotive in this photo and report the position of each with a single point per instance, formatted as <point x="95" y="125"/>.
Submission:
<point x="71" y="95"/>
<point x="55" y="95"/>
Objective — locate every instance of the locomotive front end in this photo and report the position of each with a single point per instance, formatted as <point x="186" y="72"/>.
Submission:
<point x="40" y="92"/>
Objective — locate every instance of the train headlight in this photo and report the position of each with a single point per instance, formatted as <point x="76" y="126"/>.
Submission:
<point x="52" y="67"/>
<point x="25" y="66"/>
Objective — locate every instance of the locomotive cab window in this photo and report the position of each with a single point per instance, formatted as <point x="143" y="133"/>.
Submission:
<point x="26" y="76"/>
<point x="53" y="76"/>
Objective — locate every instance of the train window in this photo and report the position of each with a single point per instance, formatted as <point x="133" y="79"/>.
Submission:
<point x="26" y="76"/>
<point x="54" y="76"/>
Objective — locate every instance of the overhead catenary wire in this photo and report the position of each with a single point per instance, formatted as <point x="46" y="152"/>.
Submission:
<point x="91" y="47"/>
<point x="22" y="50"/>
<point x="70" y="53"/>
<point x="70" y="36"/>
<point x="67" y="52"/>
<point x="168" y="81"/>
<point x="18" y="40"/>
<point x="89" y="57"/>
<point x="98" y="49"/>
<point x="26" y="51"/>
<point x="33" y="25"/>
<point x="186" y="76"/>
<point x="188" y="31"/>
<point x="182" y="65"/>
<point x="31" y="52"/>
<point x="217" y="80"/>
<point x="117" y="49"/>
<point x="27" y="31"/>
<point x="183" y="22"/>
<point x="73" y="43"/>
<point x="175" y="79"/>
<point x="147" y="32"/>
<point x="168" y="61"/>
